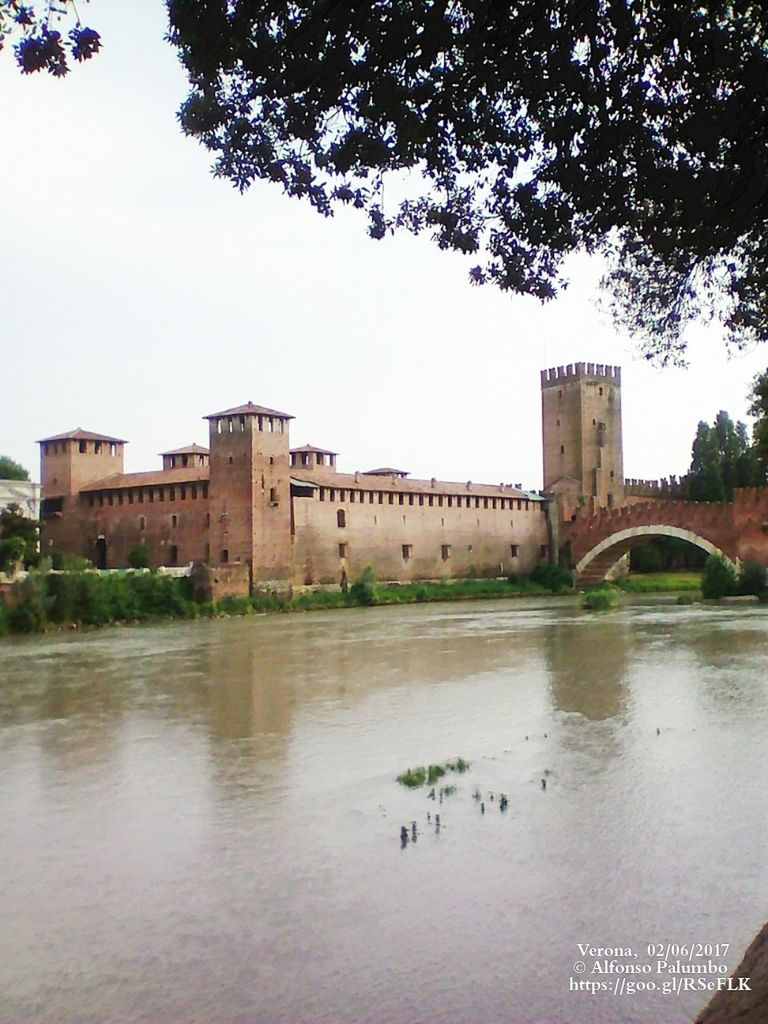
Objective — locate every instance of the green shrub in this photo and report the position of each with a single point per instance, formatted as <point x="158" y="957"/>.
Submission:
<point x="139" y="556"/>
<point x="718" y="579"/>
<point x="29" y="611"/>
<point x="684" y="599"/>
<point x="762" y="597"/>
<point x="752" y="578"/>
<point x="413" y="777"/>
<point x="363" y="590"/>
<point x="600" y="599"/>
<point x="552" y="577"/>
<point x="435" y="772"/>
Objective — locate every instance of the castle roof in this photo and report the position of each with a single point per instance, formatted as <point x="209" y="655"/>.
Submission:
<point x="190" y="449"/>
<point x="82" y="435"/>
<point x="311" y="448"/>
<point x="249" y="409"/>
<point x="368" y="481"/>
<point x="154" y="478"/>
<point x="386" y="471"/>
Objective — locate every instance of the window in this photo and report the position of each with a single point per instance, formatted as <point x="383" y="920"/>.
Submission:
<point x="469" y="549"/>
<point x="161" y="494"/>
<point x="421" y="499"/>
<point x="111" y="498"/>
<point x="431" y="500"/>
<point x="342" y="550"/>
<point x="82" y="446"/>
<point x="193" y="490"/>
<point x="231" y="460"/>
<point x="97" y="447"/>
<point x="440" y="500"/>
<point x="183" y="492"/>
<point x="410" y="499"/>
<point x="205" y="490"/>
<point x="407" y="551"/>
<point x="273" y="496"/>
<point x="130" y="497"/>
<point x="174" y="520"/>
<point x="485" y="503"/>
<point x="150" y="495"/>
<point x="513" y="550"/>
<point x="445" y="552"/>
<point x="140" y="493"/>
<point x="600" y="392"/>
<point x="101" y="501"/>
<point x="207" y="552"/>
<point x="341" y="494"/>
<point x="562" y="449"/>
<point x="352" y="496"/>
<point x="91" y="500"/>
<point x="173" y="555"/>
<point x="172" y="494"/>
<point x="401" y="499"/>
<point x="224" y="556"/>
<point x="321" y="494"/>
<point x="184" y="460"/>
<point x="207" y="518"/>
<point x="242" y="426"/>
<point x="331" y="494"/>
<point x="450" y="501"/>
<point x="341" y="518"/>
<point x="119" y="497"/>
<point x="142" y="522"/>
<point x="612" y="474"/>
<point x="271" y="460"/>
<point x="391" y="498"/>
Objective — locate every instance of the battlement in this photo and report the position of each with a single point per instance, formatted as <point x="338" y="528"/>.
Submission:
<point x="664" y="488"/>
<point x="578" y="371"/>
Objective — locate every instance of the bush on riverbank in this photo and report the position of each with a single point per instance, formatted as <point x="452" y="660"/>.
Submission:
<point x="719" y="578"/>
<point x="45" y="600"/>
<point x="600" y="599"/>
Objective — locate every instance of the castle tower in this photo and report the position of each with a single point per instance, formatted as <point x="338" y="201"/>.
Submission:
<point x="250" y="491"/>
<point x="581" y="435"/>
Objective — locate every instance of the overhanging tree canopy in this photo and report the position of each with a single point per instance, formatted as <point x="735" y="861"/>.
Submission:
<point x="516" y="132"/>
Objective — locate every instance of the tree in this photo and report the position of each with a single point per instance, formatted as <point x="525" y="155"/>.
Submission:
<point x="758" y="399"/>
<point x="39" y="44"/>
<point x="719" y="578"/>
<point x="10" y="470"/>
<point x="514" y="133"/>
<point x="18" y="537"/>
<point x="722" y="458"/>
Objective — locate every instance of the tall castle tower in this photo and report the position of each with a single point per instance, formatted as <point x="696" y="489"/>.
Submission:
<point x="581" y="432"/>
<point x="249" y="491"/>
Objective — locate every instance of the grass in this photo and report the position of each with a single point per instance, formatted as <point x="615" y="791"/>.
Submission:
<point x="415" y="777"/>
<point x="600" y="599"/>
<point x="660" y="582"/>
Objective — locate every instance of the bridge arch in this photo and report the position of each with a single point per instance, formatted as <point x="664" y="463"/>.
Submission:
<point x="598" y="561"/>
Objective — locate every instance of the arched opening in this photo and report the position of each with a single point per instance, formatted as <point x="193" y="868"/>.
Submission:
<point x="101" y="552"/>
<point x="598" y="563"/>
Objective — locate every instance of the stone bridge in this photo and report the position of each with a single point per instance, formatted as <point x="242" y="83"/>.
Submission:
<point x="737" y="530"/>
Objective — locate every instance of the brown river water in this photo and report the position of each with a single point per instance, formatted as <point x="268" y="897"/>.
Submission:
<point x="200" y="822"/>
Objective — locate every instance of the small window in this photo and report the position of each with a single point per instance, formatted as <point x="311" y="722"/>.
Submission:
<point x="485" y="503"/>
<point x="141" y="496"/>
<point x="142" y="522"/>
<point x="101" y="501"/>
<point x="321" y="494"/>
<point x="391" y="498"/>
<point x="151" y="495"/>
<point x="174" y="520"/>
<point x="171" y="494"/>
<point x="91" y="500"/>
<point x="83" y="447"/>
<point x="450" y="501"/>
<point x="271" y="460"/>
<point x="445" y="552"/>
<point x="558" y="423"/>
<point x="193" y="492"/>
<point x="231" y="460"/>
<point x="173" y="555"/>
<point x="431" y="500"/>
<point x="341" y="494"/>
<point x="183" y="492"/>
<point x="612" y="474"/>
<point x="97" y="447"/>
<point x="130" y="497"/>
<point x="242" y="423"/>
<point x="469" y="549"/>
<point x="407" y="551"/>
<point x="513" y="550"/>
<point x="342" y="550"/>
<point x="341" y="518"/>
<point x="421" y="499"/>
<point x="111" y="498"/>
<point x="207" y="518"/>
<point x="184" y="460"/>
<point x="600" y="392"/>
<point x="440" y="500"/>
<point x="161" y="494"/>
<point x="351" y="497"/>
<point x="205" y="490"/>
<point x="562" y="449"/>
<point x="273" y="496"/>
<point x="331" y="494"/>
<point x="224" y="556"/>
<point x="401" y="499"/>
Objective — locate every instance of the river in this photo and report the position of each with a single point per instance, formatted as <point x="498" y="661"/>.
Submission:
<point x="200" y="821"/>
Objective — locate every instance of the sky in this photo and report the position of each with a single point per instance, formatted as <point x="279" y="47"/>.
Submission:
<point x="138" y="294"/>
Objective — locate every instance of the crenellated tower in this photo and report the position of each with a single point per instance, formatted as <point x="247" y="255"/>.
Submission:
<point x="581" y="435"/>
<point x="249" y="491"/>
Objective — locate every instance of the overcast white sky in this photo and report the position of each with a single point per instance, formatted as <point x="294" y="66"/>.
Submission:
<point x="138" y="294"/>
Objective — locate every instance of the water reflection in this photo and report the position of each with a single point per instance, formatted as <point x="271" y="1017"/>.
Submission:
<point x="587" y="663"/>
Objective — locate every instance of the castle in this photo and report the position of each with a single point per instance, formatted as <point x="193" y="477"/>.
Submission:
<point x="264" y="515"/>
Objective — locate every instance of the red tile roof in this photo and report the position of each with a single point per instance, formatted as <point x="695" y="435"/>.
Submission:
<point x="249" y="410"/>
<point x="82" y="435"/>
<point x="311" y="448"/>
<point x="190" y="449"/>
<point x="156" y="478"/>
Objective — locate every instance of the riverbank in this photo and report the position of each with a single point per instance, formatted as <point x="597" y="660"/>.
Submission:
<point x="51" y="601"/>
<point x="743" y="1007"/>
